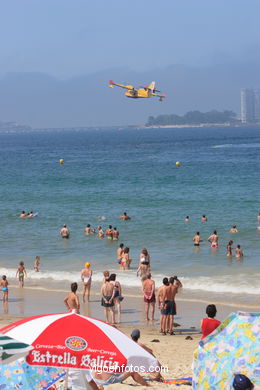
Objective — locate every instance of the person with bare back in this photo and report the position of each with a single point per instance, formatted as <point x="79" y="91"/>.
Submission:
<point x="148" y="288"/>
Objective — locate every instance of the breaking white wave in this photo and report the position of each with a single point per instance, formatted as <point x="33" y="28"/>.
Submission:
<point x="235" y="284"/>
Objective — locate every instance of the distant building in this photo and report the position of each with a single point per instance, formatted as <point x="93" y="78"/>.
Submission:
<point x="250" y="105"/>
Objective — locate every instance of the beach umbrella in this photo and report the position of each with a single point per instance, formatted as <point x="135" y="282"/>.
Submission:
<point x="71" y="340"/>
<point x="234" y="347"/>
<point x="11" y="349"/>
<point x="19" y="375"/>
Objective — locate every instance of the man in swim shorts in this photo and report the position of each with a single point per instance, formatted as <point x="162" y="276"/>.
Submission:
<point x="148" y="287"/>
<point x="213" y="239"/>
<point x="107" y="300"/>
<point x="196" y="239"/>
<point x="166" y="304"/>
<point x="65" y="233"/>
<point x="109" y="232"/>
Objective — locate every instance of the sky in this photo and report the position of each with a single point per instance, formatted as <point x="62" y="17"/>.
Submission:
<point x="66" y="38"/>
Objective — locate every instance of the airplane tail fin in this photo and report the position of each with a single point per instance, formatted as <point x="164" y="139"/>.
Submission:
<point x="152" y="86"/>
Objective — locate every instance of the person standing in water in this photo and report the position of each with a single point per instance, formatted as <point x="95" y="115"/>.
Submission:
<point x="229" y="248"/>
<point x="86" y="277"/>
<point x="204" y="218"/>
<point x="72" y="300"/>
<point x="64" y="232"/>
<point x="21" y="272"/>
<point x="233" y="229"/>
<point x="101" y="233"/>
<point x="4" y="287"/>
<point x="119" y="253"/>
<point x="126" y="260"/>
<point x="37" y="263"/>
<point x="213" y="239"/>
<point x="115" y="234"/>
<point x="196" y="239"/>
<point x="187" y="219"/>
<point x="239" y="252"/>
<point x="109" y="232"/>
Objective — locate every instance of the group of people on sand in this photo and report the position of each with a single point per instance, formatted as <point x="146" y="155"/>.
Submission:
<point x="165" y="299"/>
<point x="111" y="297"/>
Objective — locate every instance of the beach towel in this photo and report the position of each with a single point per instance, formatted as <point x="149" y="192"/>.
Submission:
<point x="179" y="381"/>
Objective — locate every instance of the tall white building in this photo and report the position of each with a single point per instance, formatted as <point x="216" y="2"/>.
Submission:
<point x="250" y="105"/>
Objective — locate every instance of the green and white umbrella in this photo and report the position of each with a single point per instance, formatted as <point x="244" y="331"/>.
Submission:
<point x="11" y="349"/>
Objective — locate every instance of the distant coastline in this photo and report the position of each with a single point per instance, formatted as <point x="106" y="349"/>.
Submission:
<point x="25" y="129"/>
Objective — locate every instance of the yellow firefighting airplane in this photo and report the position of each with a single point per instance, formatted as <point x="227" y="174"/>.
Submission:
<point x="142" y="92"/>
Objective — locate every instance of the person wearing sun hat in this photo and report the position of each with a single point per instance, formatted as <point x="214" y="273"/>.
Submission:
<point x="86" y="277"/>
<point x="242" y="382"/>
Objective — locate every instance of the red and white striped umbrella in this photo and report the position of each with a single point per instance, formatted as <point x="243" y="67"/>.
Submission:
<point x="74" y="341"/>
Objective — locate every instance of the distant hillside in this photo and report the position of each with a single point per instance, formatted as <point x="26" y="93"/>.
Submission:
<point x="193" y="118"/>
<point x="44" y="101"/>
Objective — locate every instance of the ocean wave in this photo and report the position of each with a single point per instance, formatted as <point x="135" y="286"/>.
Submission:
<point x="235" y="284"/>
<point x="251" y="145"/>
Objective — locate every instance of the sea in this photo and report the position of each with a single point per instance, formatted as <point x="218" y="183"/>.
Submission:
<point x="107" y="172"/>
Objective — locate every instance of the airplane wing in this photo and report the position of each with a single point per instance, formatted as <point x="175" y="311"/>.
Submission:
<point x="112" y="84"/>
<point x="162" y="96"/>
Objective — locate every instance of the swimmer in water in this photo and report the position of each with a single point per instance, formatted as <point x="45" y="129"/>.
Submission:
<point x="65" y="233"/>
<point x="87" y="229"/>
<point x="258" y="217"/>
<point x="101" y="233"/>
<point x="196" y="239"/>
<point x="22" y="215"/>
<point x="233" y="229"/>
<point x="119" y="253"/>
<point x="86" y="277"/>
<point x="21" y="272"/>
<point x="37" y="263"/>
<point x="229" y="248"/>
<point x="204" y="218"/>
<point x="126" y="260"/>
<point x="239" y="252"/>
<point x="187" y="219"/>
<point x="109" y="232"/>
<point x="213" y="239"/>
<point x="115" y="234"/>
<point x="4" y="287"/>
<point x="125" y="217"/>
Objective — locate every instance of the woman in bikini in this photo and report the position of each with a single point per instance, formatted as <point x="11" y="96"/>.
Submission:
<point x="144" y="264"/>
<point x="86" y="276"/>
<point x="126" y="260"/>
<point x="229" y="248"/>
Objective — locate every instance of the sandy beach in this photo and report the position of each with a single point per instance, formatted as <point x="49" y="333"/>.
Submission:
<point x="174" y="352"/>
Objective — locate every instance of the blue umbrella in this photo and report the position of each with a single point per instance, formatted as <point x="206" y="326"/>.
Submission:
<point x="19" y="375"/>
<point x="233" y="348"/>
